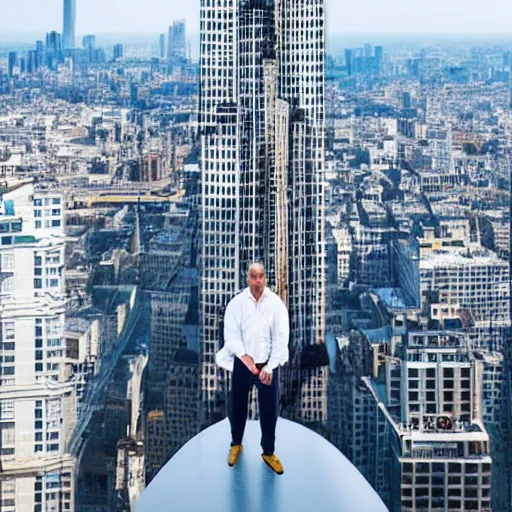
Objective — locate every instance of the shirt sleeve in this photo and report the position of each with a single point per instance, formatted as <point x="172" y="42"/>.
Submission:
<point x="232" y="332"/>
<point x="279" y="353"/>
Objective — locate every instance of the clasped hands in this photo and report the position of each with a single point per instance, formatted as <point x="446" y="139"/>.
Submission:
<point x="265" y="378"/>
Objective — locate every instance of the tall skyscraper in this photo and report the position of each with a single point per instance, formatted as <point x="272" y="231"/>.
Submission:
<point x="69" y="24"/>
<point x="12" y="61"/>
<point x="176" y="45"/>
<point x="349" y="59"/>
<point x="378" y="58"/>
<point x="39" y="53"/>
<point x="262" y="123"/>
<point x="161" y="46"/>
<point x="53" y="49"/>
<point x="89" y="45"/>
<point x="32" y="61"/>
<point x="37" y="400"/>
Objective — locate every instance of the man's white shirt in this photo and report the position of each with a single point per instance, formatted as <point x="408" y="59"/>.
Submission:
<point x="259" y="329"/>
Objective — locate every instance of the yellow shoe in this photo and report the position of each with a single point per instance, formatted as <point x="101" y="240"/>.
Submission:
<point x="234" y="453"/>
<point x="273" y="463"/>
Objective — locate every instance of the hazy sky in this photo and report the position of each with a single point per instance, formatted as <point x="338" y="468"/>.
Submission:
<point x="367" y="16"/>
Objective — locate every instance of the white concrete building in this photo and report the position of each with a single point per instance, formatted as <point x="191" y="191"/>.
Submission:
<point x="37" y="399"/>
<point x="476" y="280"/>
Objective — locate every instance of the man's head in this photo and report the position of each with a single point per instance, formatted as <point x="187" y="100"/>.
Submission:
<point x="256" y="279"/>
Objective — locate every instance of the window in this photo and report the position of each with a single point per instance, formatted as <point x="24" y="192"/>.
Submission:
<point x="7" y="410"/>
<point x="53" y="327"/>
<point x="7" y="434"/>
<point x="9" y="330"/>
<point x="8" y="261"/>
<point x="8" y="285"/>
<point x="9" y="486"/>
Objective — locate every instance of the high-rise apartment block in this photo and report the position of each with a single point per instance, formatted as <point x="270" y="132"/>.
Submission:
<point x="424" y="398"/>
<point x="261" y="114"/>
<point x="37" y="398"/>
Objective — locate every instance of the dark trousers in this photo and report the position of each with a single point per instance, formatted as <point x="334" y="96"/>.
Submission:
<point x="242" y="382"/>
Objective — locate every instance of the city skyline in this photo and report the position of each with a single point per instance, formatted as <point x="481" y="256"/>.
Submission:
<point x="141" y="175"/>
<point x="397" y="17"/>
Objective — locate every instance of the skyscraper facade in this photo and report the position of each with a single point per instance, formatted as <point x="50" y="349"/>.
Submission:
<point x="68" y="38"/>
<point x="262" y="123"/>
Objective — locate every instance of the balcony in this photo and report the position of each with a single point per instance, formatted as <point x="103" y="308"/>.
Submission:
<point x="316" y="476"/>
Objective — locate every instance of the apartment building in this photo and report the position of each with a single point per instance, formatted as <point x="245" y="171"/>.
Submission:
<point x="37" y="398"/>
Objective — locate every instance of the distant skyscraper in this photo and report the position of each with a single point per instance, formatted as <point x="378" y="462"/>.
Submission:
<point x="118" y="51"/>
<point x="89" y="42"/>
<point x="12" y="61"/>
<point x="89" y="45"/>
<point x="161" y="46"/>
<point x="262" y="123"/>
<point x="349" y="60"/>
<point x="32" y="61"/>
<point x="506" y="59"/>
<point x="69" y="24"/>
<point x="54" y="45"/>
<point x="176" y="45"/>
<point x="378" y="57"/>
<point x="39" y="53"/>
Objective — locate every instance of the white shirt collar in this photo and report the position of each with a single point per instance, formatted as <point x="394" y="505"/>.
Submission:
<point x="263" y="295"/>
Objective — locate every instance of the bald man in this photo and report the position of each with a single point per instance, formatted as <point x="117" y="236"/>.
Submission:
<point x="256" y="333"/>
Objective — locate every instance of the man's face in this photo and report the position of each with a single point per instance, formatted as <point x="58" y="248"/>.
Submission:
<point x="257" y="280"/>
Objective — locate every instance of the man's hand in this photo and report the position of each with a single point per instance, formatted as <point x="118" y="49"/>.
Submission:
<point x="265" y="377"/>
<point x="249" y="362"/>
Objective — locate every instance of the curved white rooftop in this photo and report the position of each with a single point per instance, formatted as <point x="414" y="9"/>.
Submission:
<point x="317" y="476"/>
